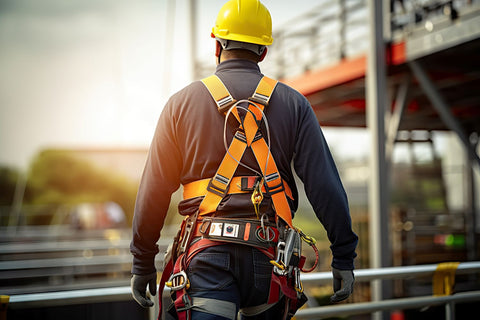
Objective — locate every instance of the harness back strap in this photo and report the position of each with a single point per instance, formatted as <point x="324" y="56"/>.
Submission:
<point x="248" y="135"/>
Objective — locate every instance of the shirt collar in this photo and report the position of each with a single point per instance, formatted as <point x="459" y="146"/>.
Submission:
<point x="233" y="64"/>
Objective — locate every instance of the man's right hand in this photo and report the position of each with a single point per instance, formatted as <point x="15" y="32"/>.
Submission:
<point x="139" y="288"/>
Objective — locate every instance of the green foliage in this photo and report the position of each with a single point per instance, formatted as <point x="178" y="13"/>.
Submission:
<point x="309" y="224"/>
<point x="59" y="178"/>
<point x="8" y="181"/>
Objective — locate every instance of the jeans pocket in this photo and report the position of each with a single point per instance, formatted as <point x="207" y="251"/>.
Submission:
<point x="209" y="271"/>
<point x="262" y="270"/>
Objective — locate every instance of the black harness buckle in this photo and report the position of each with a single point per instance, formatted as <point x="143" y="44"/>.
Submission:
<point x="249" y="184"/>
<point x="221" y="192"/>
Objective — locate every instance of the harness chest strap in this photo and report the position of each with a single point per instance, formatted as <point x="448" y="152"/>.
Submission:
<point x="239" y="184"/>
<point x="250" y="137"/>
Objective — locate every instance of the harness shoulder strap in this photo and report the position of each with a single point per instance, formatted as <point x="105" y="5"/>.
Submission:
<point x="219" y="92"/>
<point x="223" y="98"/>
<point x="248" y="135"/>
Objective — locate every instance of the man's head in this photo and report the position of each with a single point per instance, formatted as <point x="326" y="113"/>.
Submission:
<point x="243" y="29"/>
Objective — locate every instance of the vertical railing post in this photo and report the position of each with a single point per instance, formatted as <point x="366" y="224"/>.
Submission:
<point x="450" y="310"/>
<point x="378" y="185"/>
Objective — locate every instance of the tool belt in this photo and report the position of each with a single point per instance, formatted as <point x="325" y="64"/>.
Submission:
<point x="251" y="232"/>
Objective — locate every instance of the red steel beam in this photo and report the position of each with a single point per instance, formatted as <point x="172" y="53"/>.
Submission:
<point x="345" y="71"/>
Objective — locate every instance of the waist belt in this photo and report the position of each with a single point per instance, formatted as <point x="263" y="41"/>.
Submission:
<point x="250" y="232"/>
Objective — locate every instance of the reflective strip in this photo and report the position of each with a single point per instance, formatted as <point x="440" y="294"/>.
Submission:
<point x="216" y="307"/>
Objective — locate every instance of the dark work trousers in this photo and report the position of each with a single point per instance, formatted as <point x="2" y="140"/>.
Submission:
<point x="236" y="273"/>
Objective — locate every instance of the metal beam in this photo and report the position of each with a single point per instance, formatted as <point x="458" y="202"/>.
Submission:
<point x="440" y="105"/>
<point x="471" y="205"/>
<point x="396" y="117"/>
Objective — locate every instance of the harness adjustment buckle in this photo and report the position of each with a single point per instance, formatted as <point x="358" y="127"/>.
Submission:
<point x="188" y="229"/>
<point x="178" y="281"/>
<point x="216" y="189"/>
<point x="223" y="109"/>
<point x="187" y="304"/>
<point x="271" y="190"/>
<point x="258" y="100"/>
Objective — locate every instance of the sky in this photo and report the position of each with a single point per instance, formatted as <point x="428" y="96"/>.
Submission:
<point x="96" y="73"/>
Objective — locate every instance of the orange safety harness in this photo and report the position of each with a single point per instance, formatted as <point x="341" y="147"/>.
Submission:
<point x="285" y="277"/>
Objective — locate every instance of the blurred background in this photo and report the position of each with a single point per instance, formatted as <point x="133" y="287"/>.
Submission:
<point x="82" y="84"/>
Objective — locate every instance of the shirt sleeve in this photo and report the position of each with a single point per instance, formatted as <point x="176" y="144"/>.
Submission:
<point x="316" y="168"/>
<point x="159" y="180"/>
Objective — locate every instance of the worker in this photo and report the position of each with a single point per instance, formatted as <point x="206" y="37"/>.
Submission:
<point x="233" y="140"/>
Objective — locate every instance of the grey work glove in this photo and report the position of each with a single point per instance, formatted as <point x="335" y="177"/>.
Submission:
<point x="348" y="279"/>
<point x="139" y="283"/>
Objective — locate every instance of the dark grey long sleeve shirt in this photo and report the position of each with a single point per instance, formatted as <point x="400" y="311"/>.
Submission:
<point x="188" y="146"/>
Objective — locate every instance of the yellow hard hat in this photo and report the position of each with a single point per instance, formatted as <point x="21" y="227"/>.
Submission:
<point x="245" y="21"/>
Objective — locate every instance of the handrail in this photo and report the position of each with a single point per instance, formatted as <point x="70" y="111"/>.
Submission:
<point x="123" y="293"/>
<point x="365" y="275"/>
<point x="60" y="246"/>
<point x="391" y="304"/>
<point x="62" y="298"/>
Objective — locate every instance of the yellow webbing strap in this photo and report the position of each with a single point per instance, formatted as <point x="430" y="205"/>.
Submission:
<point x="221" y="180"/>
<point x="273" y="180"/>
<point x="3" y="306"/>
<point x="444" y="278"/>
<point x="199" y="188"/>
<point x="265" y="88"/>
<point x="219" y="184"/>
<point x="218" y="90"/>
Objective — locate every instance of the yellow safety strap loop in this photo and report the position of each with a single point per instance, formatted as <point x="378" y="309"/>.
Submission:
<point x="444" y="278"/>
<point x="4" y="300"/>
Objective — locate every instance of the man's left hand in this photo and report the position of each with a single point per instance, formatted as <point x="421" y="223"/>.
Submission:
<point x="348" y="279"/>
<point x="139" y="284"/>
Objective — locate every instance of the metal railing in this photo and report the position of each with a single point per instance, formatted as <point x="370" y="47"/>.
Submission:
<point x="57" y="258"/>
<point x="322" y="278"/>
